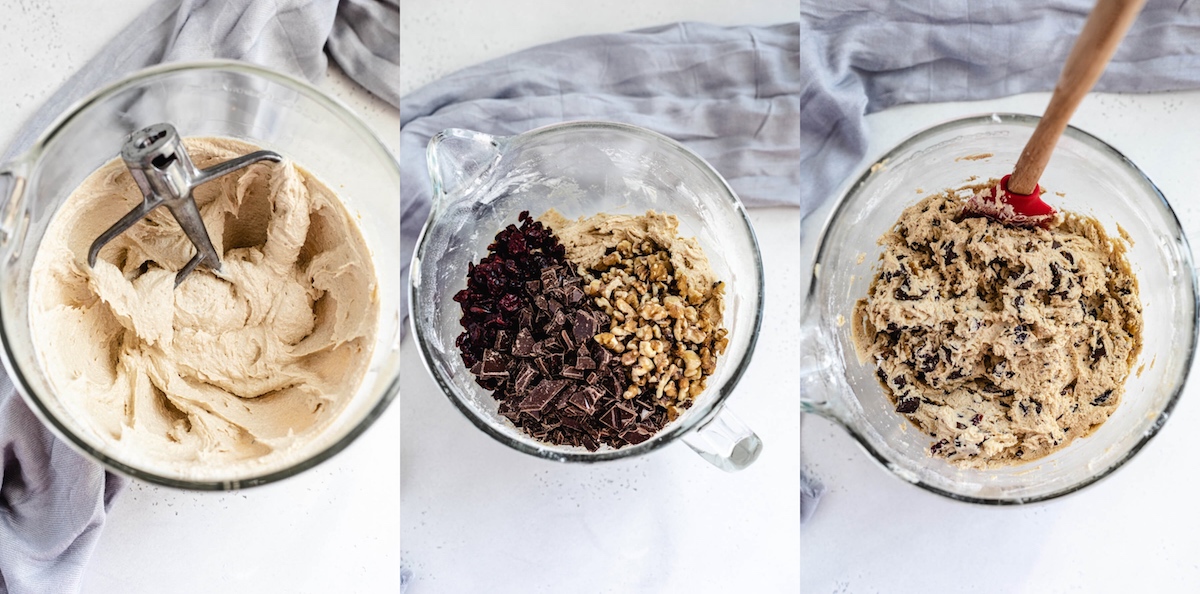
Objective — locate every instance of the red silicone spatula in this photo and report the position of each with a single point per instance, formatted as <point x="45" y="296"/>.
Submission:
<point x="1016" y="200"/>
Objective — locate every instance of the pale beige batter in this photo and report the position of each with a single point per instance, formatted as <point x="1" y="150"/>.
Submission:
<point x="1002" y="344"/>
<point x="233" y="373"/>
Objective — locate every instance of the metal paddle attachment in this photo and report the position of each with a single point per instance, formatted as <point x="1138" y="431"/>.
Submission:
<point x="166" y="176"/>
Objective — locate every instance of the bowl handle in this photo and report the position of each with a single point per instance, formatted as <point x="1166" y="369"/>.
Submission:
<point x="13" y="219"/>
<point x="725" y="442"/>
<point x="459" y="161"/>
<point x="819" y="380"/>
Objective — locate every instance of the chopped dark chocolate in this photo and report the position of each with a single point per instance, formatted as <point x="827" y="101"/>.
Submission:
<point x="584" y="326"/>
<point x="528" y="337"/>
<point x="523" y="343"/>
<point x="493" y="365"/>
<point x="542" y="394"/>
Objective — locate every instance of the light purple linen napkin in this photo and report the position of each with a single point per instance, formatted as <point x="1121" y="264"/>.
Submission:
<point x="53" y="501"/>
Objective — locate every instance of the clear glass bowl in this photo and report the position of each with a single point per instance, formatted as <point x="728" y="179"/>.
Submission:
<point x="1097" y="181"/>
<point x="481" y="183"/>
<point x="218" y="98"/>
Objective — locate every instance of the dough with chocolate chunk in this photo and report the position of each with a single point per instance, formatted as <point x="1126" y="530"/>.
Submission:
<point x="1002" y="344"/>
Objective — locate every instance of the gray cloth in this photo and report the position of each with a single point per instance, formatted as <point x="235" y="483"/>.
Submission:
<point x="861" y="56"/>
<point x="365" y="42"/>
<point x="52" y="500"/>
<point x="729" y="93"/>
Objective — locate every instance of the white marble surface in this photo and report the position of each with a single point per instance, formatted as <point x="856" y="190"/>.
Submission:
<point x="479" y="517"/>
<point x="1132" y="532"/>
<point x="335" y="528"/>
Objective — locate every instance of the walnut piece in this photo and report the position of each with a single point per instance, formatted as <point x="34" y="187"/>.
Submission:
<point x="666" y="330"/>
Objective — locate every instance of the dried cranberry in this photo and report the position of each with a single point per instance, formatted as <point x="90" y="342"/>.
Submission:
<point x="510" y="303"/>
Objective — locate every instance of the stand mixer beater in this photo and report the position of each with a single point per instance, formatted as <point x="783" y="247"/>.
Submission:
<point x="165" y="174"/>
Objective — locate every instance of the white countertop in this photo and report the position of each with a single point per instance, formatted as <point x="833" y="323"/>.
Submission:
<point x="335" y="528"/>
<point x="1134" y="531"/>
<point x="479" y="517"/>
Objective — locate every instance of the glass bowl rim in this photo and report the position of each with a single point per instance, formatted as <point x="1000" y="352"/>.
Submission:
<point x="51" y="421"/>
<point x="1094" y="142"/>
<point x="673" y="431"/>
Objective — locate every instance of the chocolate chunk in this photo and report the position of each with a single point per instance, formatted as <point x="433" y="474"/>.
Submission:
<point x="574" y="295"/>
<point x="571" y="372"/>
<point x="1020" y="334"/>
<point x="584" y="326"/>
<point x="559" y="317"/>
<point x="929" y="362"/>
<point x="504" y="341"/>
<point x="588" y="442"/>
<point x="603" y="357"/>
<point x="523" y="344"/>
<point x="639" y="434"/>
<point x="908" y="406"/>
<point x="1025" y="285"/>
<point x="904" y="293"/>
<point x="551" y="277"/>
<point x="525" y="376"/>
<point x="1101" y="399"/>
<point x="616" y="417"/>
<point x="611" y="384"/>
<point x="1099" y="351"/>
<point x="937" y="447"/>
<point x="585" y="362"/>
<point x="552" y="345"/>
<point x="948" y="254"/>
<point x="586" y="399"/>
<point x="1070" y="257"/>
<point x="976" y="419"/>
<point x="493" y="365"/>
<point x="542" y="394"/>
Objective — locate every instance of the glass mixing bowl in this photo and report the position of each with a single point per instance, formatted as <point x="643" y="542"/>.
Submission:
<point x="1095" y="180"/>
<point x="218" y="98"/>
<point x="481" y="183"/>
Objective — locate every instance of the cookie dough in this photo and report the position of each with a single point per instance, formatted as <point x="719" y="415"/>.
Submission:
<point x="1002" y="344"/>
<point x="236" y="371"/>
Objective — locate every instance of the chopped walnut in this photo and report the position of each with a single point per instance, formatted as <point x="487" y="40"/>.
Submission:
<point x="667" y="331"/>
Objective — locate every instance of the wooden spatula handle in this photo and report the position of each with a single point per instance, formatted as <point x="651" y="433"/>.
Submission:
<point x="1105" y="26"/>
